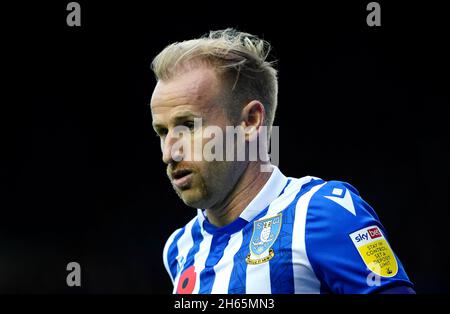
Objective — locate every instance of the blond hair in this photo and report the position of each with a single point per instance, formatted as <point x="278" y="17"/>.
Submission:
<point x="240" y="59"/>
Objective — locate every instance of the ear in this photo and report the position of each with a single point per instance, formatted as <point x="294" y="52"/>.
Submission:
<point x="252" y="118"/>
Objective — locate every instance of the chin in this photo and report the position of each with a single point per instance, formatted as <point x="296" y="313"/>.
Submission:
<point x="194" y="199"/>
<point x="191" y="200"/>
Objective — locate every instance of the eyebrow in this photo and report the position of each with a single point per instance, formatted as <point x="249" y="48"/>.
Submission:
<point x="179" y="116"/>
<point x="183" y="115"/>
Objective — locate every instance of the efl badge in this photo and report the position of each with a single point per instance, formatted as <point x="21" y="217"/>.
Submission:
<point x="375" y="251"/>
<point x="265" y="232"/>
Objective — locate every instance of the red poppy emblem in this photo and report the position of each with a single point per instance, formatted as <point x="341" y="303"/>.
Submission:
<point x="186" y="283"/>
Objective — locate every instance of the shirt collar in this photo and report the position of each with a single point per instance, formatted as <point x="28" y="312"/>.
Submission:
<point x="270" y="192"/>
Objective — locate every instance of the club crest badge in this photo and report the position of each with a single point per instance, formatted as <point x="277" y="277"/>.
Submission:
<point x="265" y="232"/>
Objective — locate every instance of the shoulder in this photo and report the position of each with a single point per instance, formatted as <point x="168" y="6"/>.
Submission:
<point x="330" y="207"/>
<point x="177" y="234"/>
<point x="173" y="244"/>
<point x="297" y="187"/>
<point x="341" y="204"/>
<point x="170" y="250"/>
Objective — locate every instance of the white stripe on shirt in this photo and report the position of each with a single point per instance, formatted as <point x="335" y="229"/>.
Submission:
<point x="305" y="280"/>
<point x="200" y="258"/>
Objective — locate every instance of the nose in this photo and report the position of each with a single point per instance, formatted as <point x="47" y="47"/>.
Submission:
<point x="171" y="150"/>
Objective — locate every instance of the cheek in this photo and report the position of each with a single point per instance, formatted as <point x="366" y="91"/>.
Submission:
<point x="218" y="173"/>
<point x="209" y="175"/>
<point x="197" y="144"/>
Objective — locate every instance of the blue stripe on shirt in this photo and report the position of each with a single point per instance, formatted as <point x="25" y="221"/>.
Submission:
<point x="207" y="276"/>
<point x="172" y="253"/>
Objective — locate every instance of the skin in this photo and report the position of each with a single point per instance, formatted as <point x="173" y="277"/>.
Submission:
<point x="223" y="188"/>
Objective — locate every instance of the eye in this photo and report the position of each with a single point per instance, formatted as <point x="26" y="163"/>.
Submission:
<point x="189" y="124"/>
<point x="161" y="132"/>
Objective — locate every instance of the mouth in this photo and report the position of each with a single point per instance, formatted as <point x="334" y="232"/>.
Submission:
<point x="181" y="178"/>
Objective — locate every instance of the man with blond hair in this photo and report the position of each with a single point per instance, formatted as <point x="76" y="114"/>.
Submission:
<point x="256" y="230"/>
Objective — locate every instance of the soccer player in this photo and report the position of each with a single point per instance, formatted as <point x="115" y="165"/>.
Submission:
<point x="256" y="230"/>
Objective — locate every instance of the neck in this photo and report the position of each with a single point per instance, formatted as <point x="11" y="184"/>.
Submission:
<point x="248" y="186"/>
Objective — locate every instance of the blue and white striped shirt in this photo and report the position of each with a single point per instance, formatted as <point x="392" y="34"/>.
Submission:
<point x="296" y="236"/>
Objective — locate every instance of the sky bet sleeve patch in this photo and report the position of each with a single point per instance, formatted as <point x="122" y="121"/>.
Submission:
<point x="375" y="251"/>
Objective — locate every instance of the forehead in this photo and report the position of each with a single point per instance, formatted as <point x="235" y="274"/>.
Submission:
<point x="196" y="90"/>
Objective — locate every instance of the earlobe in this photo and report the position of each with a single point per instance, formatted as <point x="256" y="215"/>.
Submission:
<point x="251" y="133"/>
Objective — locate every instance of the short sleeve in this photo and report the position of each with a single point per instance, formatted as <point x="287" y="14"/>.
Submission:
<point x="346" y="244"/>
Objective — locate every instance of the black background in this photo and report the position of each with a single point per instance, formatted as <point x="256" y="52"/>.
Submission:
<point x="81" y="176"/>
